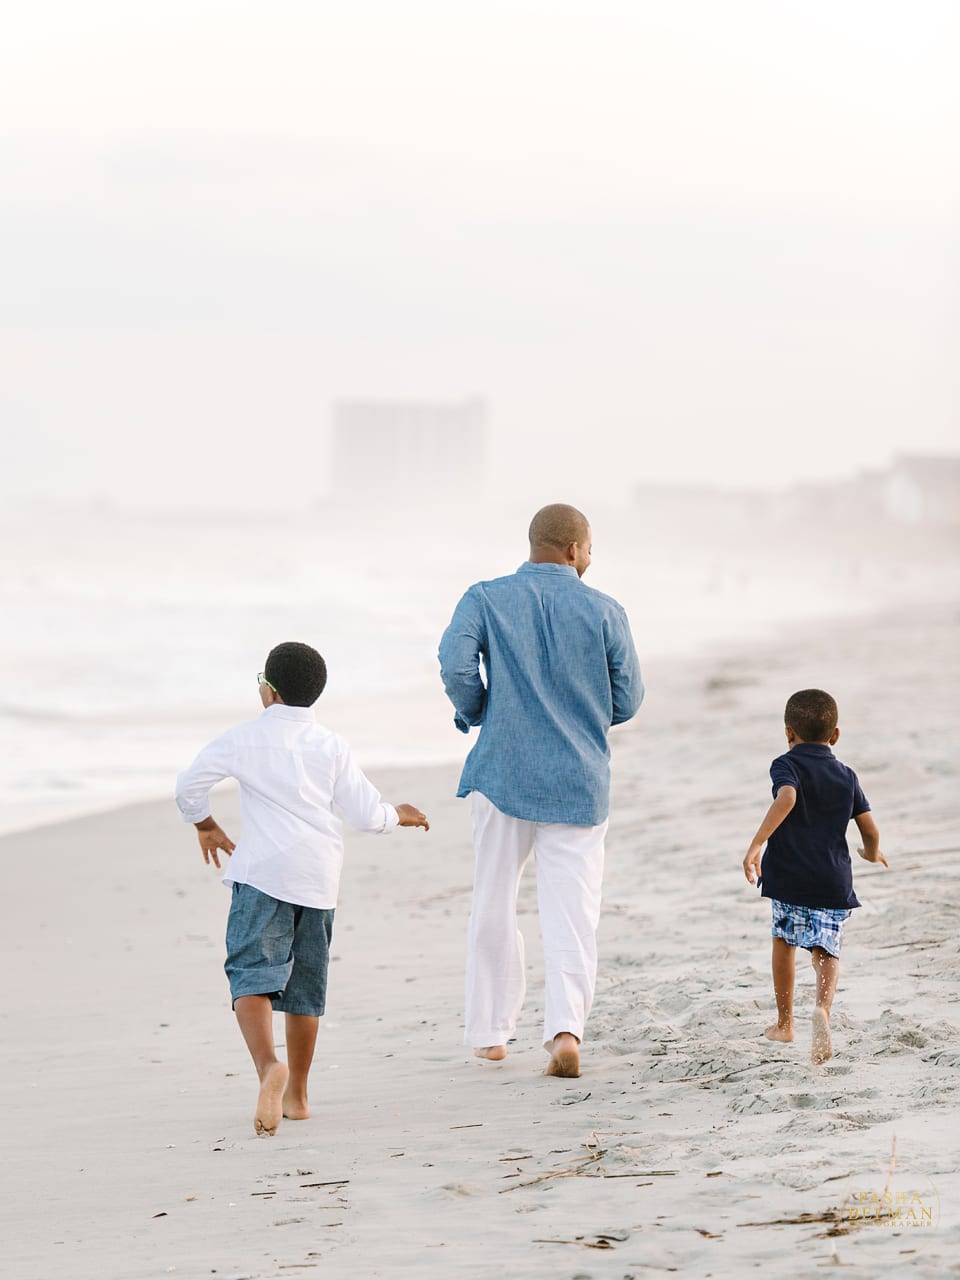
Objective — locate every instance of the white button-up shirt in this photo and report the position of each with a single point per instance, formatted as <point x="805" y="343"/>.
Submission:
<point x="291" y="772"/>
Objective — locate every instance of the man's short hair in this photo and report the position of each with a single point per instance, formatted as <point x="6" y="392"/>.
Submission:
<point x="811" y="714"/>
<point x="297" y="672"/>
<point x="557" y="526"/>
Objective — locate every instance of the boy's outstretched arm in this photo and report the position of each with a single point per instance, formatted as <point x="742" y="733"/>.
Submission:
<point x="785" y="799"/>
<point x="212" y="765"/>
<point x="870" y="833"/>
<point x="360" y="800"/>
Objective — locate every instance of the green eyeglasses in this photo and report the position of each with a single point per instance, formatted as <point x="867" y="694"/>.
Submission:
<point x="261" y="679"/>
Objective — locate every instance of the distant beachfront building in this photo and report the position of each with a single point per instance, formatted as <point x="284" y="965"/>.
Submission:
<point x="922" y="489"/>
<point x="916" y="489"/>
<point x="391" y="447"/>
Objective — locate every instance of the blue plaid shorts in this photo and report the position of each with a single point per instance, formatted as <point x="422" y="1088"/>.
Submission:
<point x="279" y="950"/>
<point x="809" y="927"/>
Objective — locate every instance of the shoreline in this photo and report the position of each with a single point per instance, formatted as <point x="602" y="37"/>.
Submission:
<point x="430" y="704"/>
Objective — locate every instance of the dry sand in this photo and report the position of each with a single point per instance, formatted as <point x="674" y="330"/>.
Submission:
<point x="128" y="1147"/>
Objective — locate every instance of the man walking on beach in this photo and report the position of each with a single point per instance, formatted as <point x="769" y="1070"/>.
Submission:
<point x="561" y="668"/>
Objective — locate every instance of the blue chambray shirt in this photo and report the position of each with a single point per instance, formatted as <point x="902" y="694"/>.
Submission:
<point x="561" y="668"/>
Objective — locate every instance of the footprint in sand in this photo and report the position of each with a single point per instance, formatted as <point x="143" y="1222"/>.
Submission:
<point x="864" y="1119"/>
<point x="755" y="1104"/>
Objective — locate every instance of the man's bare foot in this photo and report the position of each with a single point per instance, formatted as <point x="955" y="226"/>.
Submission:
<point x="493" y="1052"/>
<point x="270" y="1102"/>
<point x="776" y="1032"/>
<point x="822" y="1048"/>
<point x="564" y="1056"/>
<point x="295" y="1106"/>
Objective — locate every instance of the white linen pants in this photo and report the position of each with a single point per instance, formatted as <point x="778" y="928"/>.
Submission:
<point x="569" y="862"/>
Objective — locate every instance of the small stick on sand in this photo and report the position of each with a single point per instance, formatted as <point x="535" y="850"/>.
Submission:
<point x="893" y="1165"/>
<point x="559" y="1173"/>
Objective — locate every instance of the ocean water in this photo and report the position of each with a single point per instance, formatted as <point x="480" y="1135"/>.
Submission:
<point x="130" y="639"/>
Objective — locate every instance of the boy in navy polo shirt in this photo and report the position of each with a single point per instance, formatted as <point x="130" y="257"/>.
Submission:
<point x="806" y="869"/>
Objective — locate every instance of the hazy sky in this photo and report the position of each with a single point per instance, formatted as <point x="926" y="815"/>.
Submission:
<point x="689" y="240"/>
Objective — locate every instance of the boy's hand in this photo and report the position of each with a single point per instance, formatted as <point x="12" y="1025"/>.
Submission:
<point x="751" y="863"/>
<point x="213" y="840"/>
<point x="410" y="816"/>
<point x="873" y="855"/>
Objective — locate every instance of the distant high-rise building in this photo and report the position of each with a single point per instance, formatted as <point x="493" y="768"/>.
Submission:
<point x="385" y="447"/>
<point x="922" y="489"/>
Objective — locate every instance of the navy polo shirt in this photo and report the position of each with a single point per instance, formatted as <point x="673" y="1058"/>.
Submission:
<point x="806" y="861"/>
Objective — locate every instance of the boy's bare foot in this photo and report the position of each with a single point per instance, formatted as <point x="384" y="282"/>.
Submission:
<point x="270" y="1102"/>
<point x="564" y="1056"/>
<point x="776" y="1032"/>
<point x="494" y="1052"/>
<point x="295" y="1106"/>
<point x="822" y="1048"/>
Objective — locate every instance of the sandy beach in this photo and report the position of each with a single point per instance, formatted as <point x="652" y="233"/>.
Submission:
<point x="690" y="1144"/>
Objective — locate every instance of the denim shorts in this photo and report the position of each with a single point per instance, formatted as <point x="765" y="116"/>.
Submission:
<point x="279" y="950"/>
<point x="809" y="927"/>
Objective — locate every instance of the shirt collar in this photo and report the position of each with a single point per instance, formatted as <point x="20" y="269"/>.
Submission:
<point x="546" y="566"/>
<point x="814" y="749"/>
<point x="280" y="711"/>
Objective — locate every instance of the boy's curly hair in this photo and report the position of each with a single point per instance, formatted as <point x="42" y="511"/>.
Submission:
<point x="297" y="672"/>
<point x="811" y="714"/>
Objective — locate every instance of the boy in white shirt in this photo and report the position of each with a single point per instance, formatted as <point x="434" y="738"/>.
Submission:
<point x="284" y="871"/>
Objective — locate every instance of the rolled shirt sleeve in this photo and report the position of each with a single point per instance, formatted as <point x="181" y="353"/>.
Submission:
<point x="212" y="765"/>
<point x="626" y="683"/>
<point x="461" y="648"/>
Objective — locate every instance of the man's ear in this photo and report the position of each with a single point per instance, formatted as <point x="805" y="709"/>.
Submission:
<point x="790" y="735"/>
<point x="572" y="549"/>
<point x="832" y="740"/>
